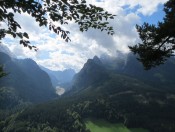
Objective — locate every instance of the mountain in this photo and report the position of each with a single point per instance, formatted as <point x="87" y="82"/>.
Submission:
<point x="30" y="82"/>
<point x="127" y="94"/>
<point x="98" y="75"/>
<point x="53" y="79"/>
<point x="117" y="62"/>
<point x="65" y="75"/>
<point x="127" y="64"/>
<point x="60" y="78"/>
<point x="92" y="73"/>
<point x="161" y="76"/>
<point x="119" y="92"/>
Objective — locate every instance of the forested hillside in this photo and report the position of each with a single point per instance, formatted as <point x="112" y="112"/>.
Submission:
<point x="107" y="94"/>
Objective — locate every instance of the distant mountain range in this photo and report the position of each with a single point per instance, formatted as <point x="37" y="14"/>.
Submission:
<point x="60" y="78"/>
<point x="115" y="89"/>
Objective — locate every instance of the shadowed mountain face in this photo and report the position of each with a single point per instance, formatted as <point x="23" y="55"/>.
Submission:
<point x="130" y="94"/>
<point x="93" y="73"/>
<point x="29" y="81"/>
<point x="128" y="65"/>
<point x="118" y="91"/>
<point x="96" y="71"/>
<point x="160" y="77"/>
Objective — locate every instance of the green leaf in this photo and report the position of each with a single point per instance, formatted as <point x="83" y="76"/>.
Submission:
<point x="25" y="35"/>
<point x="19" y="35"/>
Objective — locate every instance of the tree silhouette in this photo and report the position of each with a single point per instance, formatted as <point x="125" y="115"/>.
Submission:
<point x="46" y="12"/>
<point x="158" y="42"/>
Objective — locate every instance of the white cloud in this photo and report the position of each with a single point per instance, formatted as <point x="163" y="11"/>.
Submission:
<point x="55" y="53"/>
<point x="145" y="7"/>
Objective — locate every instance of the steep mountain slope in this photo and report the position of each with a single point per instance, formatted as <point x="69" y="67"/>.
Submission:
<point x="131" y="95"/>
<point x="160" y="77"/>
<point x="29" y="81"/>
<point x="127" y="64"/>
<point x="93" y="73"/>
<point x="99" y="92"/>
<point x="95" y="79"/>
<point x="98" y="78"/>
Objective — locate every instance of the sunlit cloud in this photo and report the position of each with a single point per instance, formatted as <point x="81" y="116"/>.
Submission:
<point x="56" y="54"/>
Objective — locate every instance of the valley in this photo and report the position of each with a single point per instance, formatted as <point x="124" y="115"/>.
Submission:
<point x="60" y="90"/>
<point x="87" y="66"/>
<point x="109" y="97"/>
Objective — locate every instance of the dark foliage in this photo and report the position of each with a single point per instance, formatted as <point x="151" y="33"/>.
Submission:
<point x="120" y="98"/>
<point x="158" y="42"/>
<point x="61" y="11"/>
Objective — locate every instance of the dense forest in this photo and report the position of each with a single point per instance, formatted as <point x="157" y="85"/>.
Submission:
<point x="111" y="94"/>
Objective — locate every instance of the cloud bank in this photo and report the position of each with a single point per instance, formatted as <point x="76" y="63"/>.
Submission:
<point x="56" y="54"/>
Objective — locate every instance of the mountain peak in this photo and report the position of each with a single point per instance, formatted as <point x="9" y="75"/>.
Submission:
<point x="97" y="60"/>
<point x="28" y="80"/>
<point x="93" y="72"/>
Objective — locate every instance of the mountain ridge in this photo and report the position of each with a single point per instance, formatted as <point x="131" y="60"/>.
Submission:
<point x="106" y="93"/>
<point x="25" y="76"/>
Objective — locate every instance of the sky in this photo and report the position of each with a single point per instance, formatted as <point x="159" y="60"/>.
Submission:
<point x="56" y="54"/>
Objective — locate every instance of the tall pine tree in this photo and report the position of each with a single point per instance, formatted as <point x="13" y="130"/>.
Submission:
<point x="158" y="42"/>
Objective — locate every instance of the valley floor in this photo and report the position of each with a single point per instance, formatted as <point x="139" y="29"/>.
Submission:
<point x="104" y="126"/>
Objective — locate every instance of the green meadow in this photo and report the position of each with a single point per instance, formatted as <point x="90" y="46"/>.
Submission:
<point x="103" y="126"/>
